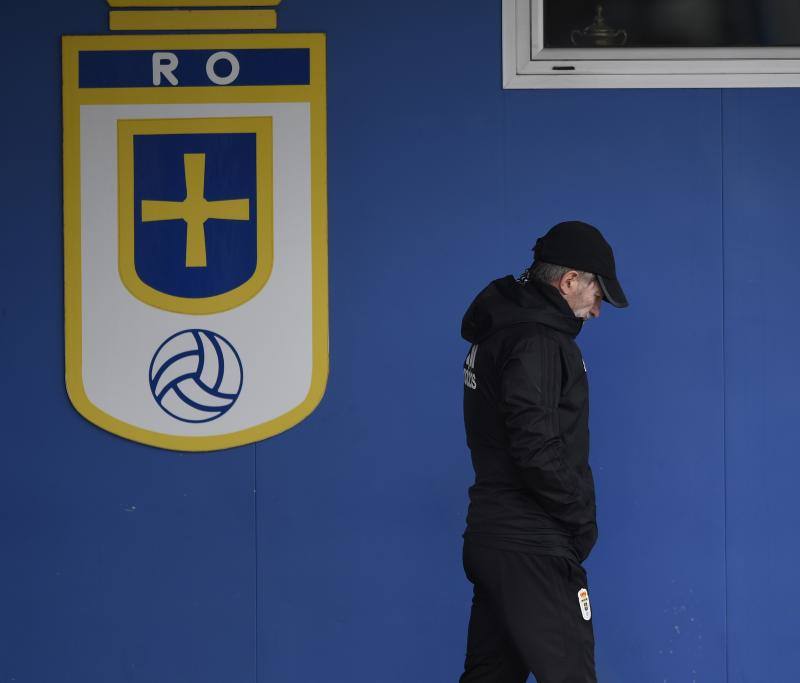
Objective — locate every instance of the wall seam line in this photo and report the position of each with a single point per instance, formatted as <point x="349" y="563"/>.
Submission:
<point x="255" y="544"/>
<point x="726" y="649"/>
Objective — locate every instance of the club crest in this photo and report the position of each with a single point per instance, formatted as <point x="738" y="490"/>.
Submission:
<point x="195" y="234"/>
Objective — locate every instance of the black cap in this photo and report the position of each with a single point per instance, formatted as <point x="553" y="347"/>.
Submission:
<point x="578" y="245"/>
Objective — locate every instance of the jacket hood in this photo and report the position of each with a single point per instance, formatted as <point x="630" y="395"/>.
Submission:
<point x="506" y="302"/>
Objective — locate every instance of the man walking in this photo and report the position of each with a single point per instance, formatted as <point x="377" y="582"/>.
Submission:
<point x="531" y="520"/>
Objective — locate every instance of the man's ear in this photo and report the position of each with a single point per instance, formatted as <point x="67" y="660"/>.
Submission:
<point x="567" y="281"/>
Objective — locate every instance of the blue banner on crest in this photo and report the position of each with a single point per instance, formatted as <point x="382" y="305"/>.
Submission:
<point x="134" y="68"/>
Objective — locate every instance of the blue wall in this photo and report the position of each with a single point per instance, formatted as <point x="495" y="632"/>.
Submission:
<point x="332" y="552"/>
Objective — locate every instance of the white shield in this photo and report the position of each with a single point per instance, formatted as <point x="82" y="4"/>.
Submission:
<point x="195" y="240"/>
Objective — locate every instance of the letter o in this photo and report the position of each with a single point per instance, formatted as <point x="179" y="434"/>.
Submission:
<point x="218" y="57"/>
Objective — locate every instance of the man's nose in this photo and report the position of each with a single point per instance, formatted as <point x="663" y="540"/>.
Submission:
<point x="595" y="312"/>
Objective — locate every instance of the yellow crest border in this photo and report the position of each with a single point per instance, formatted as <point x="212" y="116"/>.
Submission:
<point x="73" y="98"/>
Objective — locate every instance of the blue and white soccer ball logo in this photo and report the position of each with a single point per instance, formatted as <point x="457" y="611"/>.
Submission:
<point x="196" y="376"/>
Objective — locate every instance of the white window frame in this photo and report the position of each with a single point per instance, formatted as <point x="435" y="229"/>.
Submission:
<point x="528" y="64"/>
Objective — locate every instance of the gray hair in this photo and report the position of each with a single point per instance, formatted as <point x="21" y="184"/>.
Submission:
<point x="549" y="273"/>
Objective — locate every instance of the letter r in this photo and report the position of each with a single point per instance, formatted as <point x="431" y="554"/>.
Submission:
<point x="164" y="63"/>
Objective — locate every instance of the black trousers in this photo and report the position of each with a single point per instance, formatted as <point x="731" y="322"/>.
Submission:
<point x="526" y="618"/>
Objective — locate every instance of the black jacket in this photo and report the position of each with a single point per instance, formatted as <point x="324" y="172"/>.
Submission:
<point x="526" y="413"/>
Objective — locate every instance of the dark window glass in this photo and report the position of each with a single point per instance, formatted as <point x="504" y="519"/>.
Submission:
<point x="672" y="23"/>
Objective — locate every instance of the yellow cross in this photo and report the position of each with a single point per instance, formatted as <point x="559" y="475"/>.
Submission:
<point x="195" y="210"/>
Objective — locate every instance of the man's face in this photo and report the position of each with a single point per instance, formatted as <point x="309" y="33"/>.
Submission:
<point x="583" y="294"/>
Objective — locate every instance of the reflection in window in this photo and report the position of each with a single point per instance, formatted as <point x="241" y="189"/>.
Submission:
<point x="671" y="23"/>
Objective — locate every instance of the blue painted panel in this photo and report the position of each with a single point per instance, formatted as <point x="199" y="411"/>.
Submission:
<point x="362" y="506"/>
<point x="122" y="563"/>
<point x="118" y="562"/>
<point x="762" y="241"/>
<point x="644" y="166"/>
